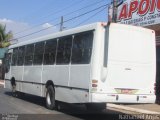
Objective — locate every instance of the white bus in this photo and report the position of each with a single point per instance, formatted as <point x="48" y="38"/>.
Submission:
<point x="96" y="63"/>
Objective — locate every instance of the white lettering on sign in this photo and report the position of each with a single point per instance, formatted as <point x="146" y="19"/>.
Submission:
<point x="139" y="12"/>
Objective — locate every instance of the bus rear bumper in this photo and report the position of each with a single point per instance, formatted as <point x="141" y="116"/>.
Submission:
<point x="122" y="98"/>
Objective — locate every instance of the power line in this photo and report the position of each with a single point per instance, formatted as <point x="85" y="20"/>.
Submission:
<point x="62" y="9"/>
<point x="90" y="17"/>
<point x="90" y="5"/>
<point x="32" y="14"/>
<point x="51" y="12"/>
<point x="85" y="13"/>
<point x="64" y="21"/>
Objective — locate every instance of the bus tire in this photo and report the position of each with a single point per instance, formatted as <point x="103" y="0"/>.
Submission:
<point x="50" y="97"/>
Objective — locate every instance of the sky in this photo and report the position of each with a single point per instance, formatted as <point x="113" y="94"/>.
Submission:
<point x="24" y="17"/>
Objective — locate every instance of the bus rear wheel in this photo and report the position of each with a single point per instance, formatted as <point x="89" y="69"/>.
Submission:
<point x="50" y="97"/>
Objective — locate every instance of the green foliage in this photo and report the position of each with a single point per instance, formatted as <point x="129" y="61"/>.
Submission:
<point x="5" y="37"/>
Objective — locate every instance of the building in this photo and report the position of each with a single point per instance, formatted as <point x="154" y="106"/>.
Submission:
<point x="2" y="66"/>
<point x="145" y="13"/>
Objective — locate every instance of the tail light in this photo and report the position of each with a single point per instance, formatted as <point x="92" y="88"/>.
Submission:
<point x="94" y="83"/>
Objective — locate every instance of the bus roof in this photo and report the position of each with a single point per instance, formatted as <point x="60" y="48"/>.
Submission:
<point x="59" y="34"/>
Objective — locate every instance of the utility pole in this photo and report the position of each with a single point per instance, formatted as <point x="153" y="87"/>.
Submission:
<point x="61" y="24"/>
<point x="114" y="16"/>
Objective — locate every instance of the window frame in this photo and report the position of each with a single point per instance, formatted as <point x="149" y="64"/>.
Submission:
<point x="60" y="59"/>
<point x="15" y="64"/>
<point x="37" y="53"/>
<point x="84" y="48"/>
<point x="69" y="55"/>
<point x="27" y="64"/>
<point x="23" y="56"/>
<point x="50" y="61"/>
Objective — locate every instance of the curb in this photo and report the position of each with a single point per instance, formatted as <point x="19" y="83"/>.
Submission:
<point x="132" y="109"/>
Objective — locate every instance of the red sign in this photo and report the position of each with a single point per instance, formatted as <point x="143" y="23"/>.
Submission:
<point x="133" y="8"/>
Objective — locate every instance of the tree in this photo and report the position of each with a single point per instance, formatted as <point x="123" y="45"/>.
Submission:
<point x="5" y="37"/>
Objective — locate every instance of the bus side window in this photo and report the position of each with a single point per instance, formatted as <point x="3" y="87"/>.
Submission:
<point x="64" y="50"/>
<point x="82" y="48"/>
<point x="50" y="52"/>
<point x="38" y="53"/>
<point x="7" y="62"/>
<point x="21" y="53"/>
<point x="14" y="56"/>
<point x="29" y="54"/>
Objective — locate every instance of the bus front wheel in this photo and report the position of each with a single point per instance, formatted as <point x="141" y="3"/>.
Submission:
<point x="50" y="97"/>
